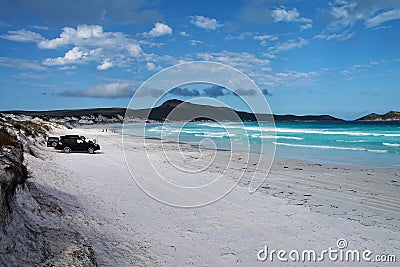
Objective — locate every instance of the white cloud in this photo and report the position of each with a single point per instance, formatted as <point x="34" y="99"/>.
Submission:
<point x="29" y="76"/>
<point x="90" y="36"/>
<point x="342" y="9"/>
<point x="185" y="34"/>
<point x="335" y="36"/>
<point x="89" y="31"/>
<point x="22" y="64"/>
<point x="290" y="15"/>
<point x="264" y="38"/>
<point x="82" y="35"/>
<point x="68" y="68"/>
<point x="159" y="29"/>
<point x="260" y="71"/>
<point x="195" y="42"/>
<point x="76" y="55"/>
<point x="357" y="70"/>
<point x="134" y="50"/>
<point x="291" y="44"/>
<point x="346" y="14"/>
<point x="292" y="78"/>
<point x="286" y="78"/>
<point x="23" y="36"/>
<point x="110" y="90"/>
<point x="382" y="17"/>
<point x="244" y="61"/>
<point x="90" y="43"/>
<point x="282" y="14"/>
<point x="241" y="36"/>
<point x="204" y="22"/>
<point x="106" y="65"/>
<point x="306" y="26"/>
<point x="150" y="66"/>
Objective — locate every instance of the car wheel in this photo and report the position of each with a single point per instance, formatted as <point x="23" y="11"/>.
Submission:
<point x="91" y="150"/>
<point x="54" y="144"/>
<point x="67" y="150"/>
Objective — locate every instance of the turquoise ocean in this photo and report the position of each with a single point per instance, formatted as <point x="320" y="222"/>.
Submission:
<point x="374" y="144"/>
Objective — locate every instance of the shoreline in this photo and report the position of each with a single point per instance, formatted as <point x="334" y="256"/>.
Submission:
<point x="311" y="159"/>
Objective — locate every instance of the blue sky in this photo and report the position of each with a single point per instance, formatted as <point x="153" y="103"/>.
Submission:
<point x="310" y="57"/>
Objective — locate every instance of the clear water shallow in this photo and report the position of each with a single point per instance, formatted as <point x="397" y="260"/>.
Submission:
<point x="351" y="143"/>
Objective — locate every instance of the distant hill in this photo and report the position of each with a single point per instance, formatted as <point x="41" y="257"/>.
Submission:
<point x="109" y="112"/>
<point x="389" y="116"/>
<point x="187" y="111"/>
<point x="167" y="110"/>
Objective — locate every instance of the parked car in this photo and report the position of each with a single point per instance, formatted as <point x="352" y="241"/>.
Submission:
<point x="52" y="141"/>
<point x="70" y="143"/>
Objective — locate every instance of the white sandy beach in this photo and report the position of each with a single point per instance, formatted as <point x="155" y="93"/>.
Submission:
<point x="300" y="206"/>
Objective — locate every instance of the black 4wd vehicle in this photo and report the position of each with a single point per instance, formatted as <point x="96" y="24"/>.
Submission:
<point x="70" y="143"/>
<point x="52" y="141"/>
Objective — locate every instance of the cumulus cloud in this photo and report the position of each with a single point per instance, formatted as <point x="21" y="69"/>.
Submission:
<point x="159" y="29"/>
<point x="204" y="22"/>
<point x="90" y="42"/>
<point x="134" y="50"/>
<point x="150" y="66"/>
<point x="76" y="55"/>
<point x="105" y="65"/>
<point x="290" y="15"/>
<point x="111" y="90"/>
<point x="82" y="35"/>
<point x="91" y="36"/>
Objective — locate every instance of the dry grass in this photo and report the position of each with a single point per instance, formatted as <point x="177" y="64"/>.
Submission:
<point x="6" y="139"/>
<point x="29" y="128"/>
